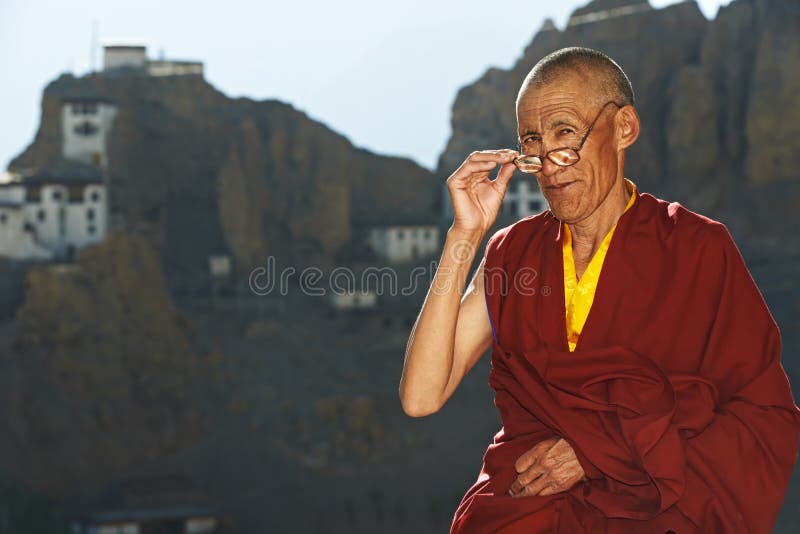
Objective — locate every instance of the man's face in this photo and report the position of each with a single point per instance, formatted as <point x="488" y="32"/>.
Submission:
<point x="559" y="114"/>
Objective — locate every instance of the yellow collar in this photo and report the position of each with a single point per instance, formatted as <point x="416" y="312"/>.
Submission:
<point x="579" y="294"/>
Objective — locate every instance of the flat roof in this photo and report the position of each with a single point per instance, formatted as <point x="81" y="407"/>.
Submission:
<point x="84" y="99"/>
<point x="124" y="46"/>
<point x="52" y="180"/>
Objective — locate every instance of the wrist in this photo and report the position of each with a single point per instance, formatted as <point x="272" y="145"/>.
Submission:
<point x="474" y="236"/>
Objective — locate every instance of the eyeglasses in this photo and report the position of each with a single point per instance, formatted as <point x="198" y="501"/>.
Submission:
<point x="562" y="156"/>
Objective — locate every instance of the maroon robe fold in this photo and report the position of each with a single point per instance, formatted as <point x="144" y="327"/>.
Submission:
<point x="674" y="400"/>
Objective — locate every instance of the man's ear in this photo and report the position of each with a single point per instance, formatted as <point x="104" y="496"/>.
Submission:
<point x="627" y="131"/>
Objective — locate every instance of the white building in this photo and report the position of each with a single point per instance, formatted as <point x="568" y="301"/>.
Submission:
<point x="165" y="67"/>
<point x="85" y="125"/>
<point x="17" y="235"/>
<point x="124" y="55"/>
<point x="149" y="504"/>
<point x="353" y="299"/>
<point x="43" y="216"/>
<point x="522" y="198"/>
<point x="404" y="243"/>
<point x="119" y="56"/>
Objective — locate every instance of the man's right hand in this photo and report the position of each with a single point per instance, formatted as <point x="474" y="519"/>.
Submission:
<point x="476" y="199"/>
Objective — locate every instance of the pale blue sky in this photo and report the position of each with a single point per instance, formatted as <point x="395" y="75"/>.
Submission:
<point x="384" y="74"/>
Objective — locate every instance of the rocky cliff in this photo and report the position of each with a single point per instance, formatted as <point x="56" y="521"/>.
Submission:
<point x="718" y="101"/>
<point x="198" y="173"/>
<point x="100" y="372"/>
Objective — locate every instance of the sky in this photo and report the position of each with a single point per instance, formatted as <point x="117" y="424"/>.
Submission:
<point x="383" y="74"/>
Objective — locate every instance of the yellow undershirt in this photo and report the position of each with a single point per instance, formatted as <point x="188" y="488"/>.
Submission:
<point x="579" y="294"/>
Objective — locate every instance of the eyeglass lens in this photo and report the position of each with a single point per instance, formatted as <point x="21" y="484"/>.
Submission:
<point x="562" y="157"/>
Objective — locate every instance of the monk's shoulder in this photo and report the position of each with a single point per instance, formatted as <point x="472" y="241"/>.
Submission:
<point x="676" y="223"/>
<point x="518" y="235"/>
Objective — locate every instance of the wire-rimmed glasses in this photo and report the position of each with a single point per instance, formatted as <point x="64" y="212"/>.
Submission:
<point x="563" y="156"/>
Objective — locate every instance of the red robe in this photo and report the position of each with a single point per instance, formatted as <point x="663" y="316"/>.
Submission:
<point x="674" y="400"/>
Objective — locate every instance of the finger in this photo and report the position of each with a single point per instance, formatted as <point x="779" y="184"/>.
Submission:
<point x="505" y="174"/>
<point x="531" y="474"/>
<point x="523" y="480"/>
<point x="503" y="156"/>
<point x="471" y="171"/>
<point x="535" y="487"/>
<point x="531" y="455"/>
<point x="527" y="459"/>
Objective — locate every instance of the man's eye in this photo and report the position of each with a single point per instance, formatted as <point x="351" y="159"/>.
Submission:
<point x="567" y="131"/>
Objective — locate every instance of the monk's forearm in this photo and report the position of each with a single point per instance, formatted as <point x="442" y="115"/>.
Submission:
<point x="429" y="352"/>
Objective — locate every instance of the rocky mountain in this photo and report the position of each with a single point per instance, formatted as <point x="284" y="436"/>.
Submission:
<point x="718" y="101"/>
<point x="99" y="371"/>
<point x="198" y="173"/>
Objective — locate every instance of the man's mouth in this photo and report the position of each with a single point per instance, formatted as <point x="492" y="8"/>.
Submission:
<point x="559" y="187"/>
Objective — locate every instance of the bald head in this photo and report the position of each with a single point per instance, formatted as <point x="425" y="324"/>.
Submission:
<point x="605" y="79"/>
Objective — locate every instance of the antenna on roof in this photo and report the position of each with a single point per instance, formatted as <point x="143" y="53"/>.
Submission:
<point x="93" y="48"/>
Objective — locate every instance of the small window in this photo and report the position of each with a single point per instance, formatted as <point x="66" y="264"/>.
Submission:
<point x="41" y="215"/>
<point x="56" y="195"/>
<point x="90" y="214"/>
<point x="534" y="205"/>
<point x="91" y="229"/>
<point x="400" y="234"/>
<point x="3" y="217"/>
<point x="95" y="196"/>
<point x="84" y="108"/>
<point x="427" y="234"/>
<point x="85" y="129"/>
<point x="33" y="194"/>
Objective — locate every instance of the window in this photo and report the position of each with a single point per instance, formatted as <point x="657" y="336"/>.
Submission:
<point x="33" y="194"/>
<point x="84" y="108"/>
<point x="427" y="234"/>
<point x="56" y="195"/>
<point x="85" y="129"/>
<point x="400" y="234"/>
<point x="534" y="205"/>
<point x="95" y="196"/>
<point x="3" y="217"/>
<point x="90" y="214"/>
<point x="91" y="229"/>
<point x="41" y="215"/>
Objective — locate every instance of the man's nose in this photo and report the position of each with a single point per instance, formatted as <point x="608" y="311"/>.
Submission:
<point x="549" y="168"/>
